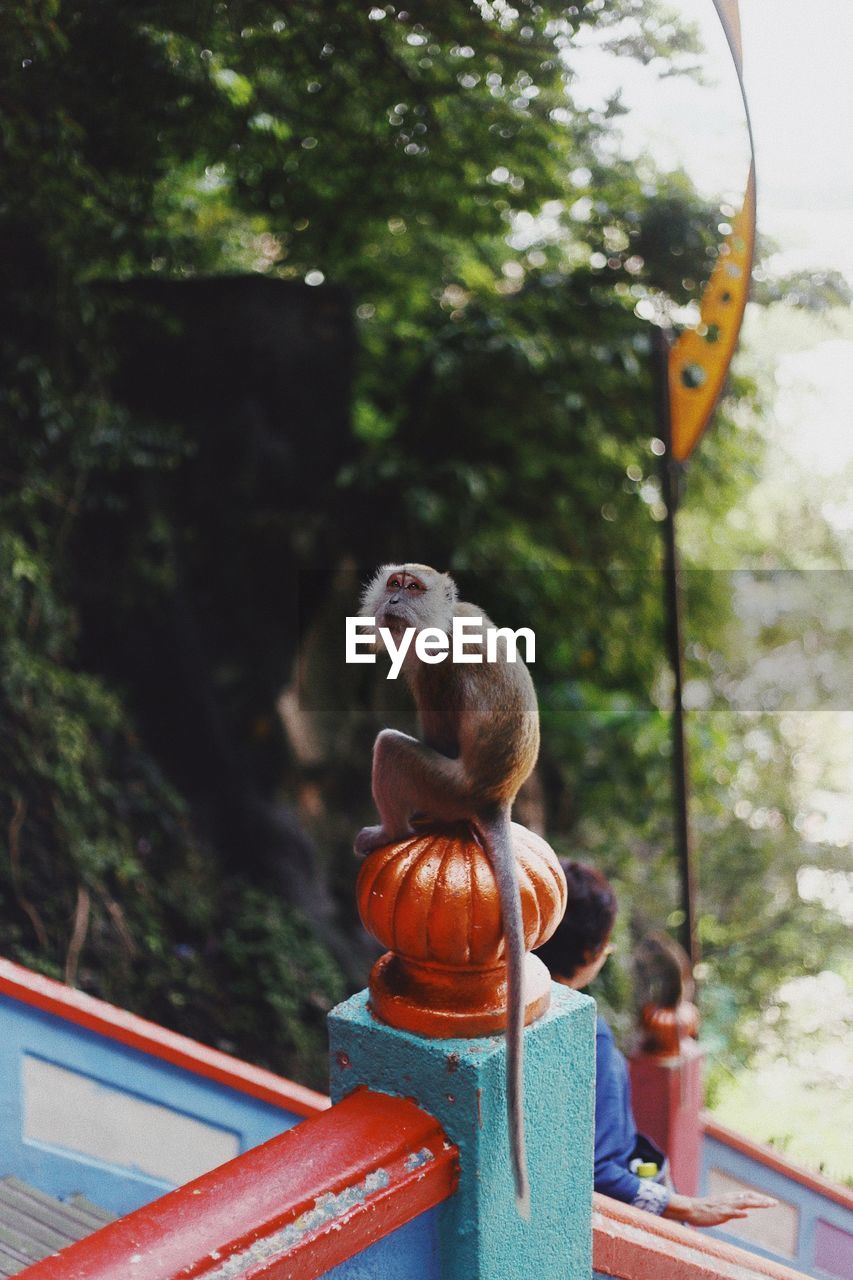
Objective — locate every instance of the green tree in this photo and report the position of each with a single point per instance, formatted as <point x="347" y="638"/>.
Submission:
<point x="433" y="163"/>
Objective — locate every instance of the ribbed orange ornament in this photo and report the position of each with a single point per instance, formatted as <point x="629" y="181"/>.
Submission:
<point x="433" y="901"/>
<point x="665" y="1029"/>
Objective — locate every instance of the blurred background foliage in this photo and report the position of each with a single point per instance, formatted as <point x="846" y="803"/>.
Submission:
<point x="425" y="171"/>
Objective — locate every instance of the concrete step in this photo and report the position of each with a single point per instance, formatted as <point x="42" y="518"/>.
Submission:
<point x="33" y="1224"/>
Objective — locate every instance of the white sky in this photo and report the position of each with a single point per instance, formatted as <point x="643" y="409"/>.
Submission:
<point x="798" y="67"/>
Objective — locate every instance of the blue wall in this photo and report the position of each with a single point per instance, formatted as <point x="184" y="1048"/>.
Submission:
<point x="409" y="1253"/>
<point x="817" y="1214"/>
<point x="28" y="1034"/>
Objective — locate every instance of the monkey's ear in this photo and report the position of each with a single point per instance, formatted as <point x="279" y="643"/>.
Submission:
<point x="372" y="593"/>
<point x="450" y="589"/>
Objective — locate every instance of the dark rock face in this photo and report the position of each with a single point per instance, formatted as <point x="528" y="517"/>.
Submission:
<point x="199" y="565"/>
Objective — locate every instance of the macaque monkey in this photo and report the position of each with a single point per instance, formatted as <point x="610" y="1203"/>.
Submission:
<point x="480" y="725"/>
<point x="662" y="972"/>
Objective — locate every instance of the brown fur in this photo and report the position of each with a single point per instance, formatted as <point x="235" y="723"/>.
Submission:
<point x="480" y="726"/>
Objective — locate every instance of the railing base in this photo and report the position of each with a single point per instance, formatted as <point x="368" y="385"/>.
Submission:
<point x="462" y="1083"/>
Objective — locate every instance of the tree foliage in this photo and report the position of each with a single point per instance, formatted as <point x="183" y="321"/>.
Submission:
<point x="495" y="247"/>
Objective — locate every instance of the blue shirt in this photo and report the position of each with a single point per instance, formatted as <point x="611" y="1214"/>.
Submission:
<point x="616" y="1130"/>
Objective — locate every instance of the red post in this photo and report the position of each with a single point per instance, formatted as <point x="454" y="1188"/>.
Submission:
<point x="667" y="1096"/>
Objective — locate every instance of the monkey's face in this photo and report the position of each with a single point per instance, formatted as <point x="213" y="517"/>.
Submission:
<point x="414" y="595"/>
<point x="403" y="598"/>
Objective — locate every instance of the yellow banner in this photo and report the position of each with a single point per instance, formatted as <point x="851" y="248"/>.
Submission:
<point x="700" y="358"/>
<point x="730" y="18"/>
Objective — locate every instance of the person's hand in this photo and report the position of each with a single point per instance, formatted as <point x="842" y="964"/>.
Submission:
<point x="710" y="1211"/>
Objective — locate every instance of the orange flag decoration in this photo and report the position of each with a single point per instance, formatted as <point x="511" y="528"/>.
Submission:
<point x="699" y="359"/>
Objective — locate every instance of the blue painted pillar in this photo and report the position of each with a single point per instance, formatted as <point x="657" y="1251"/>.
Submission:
<point x="462" y="1083"/>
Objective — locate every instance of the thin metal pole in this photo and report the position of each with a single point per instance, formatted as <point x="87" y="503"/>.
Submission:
<point x="670" y="472"/>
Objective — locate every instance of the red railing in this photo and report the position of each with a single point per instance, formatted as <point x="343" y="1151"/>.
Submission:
<point x="812" y="1225"/>
<point x="628" y="1244"/>
<point x="296" y="1206"/>
<point x="765" y="1155"/>
<point x="127" y="1028"/>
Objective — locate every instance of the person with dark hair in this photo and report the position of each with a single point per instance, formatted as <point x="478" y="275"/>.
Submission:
<point x="575" y="954"/>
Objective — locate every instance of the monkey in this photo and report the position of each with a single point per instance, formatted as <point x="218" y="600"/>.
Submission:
<point x="663" y="980"/>
<point x="480" y="726"/>
<point x="662" y="972"/>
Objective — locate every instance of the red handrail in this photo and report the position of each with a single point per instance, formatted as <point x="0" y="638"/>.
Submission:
<point x="628" y="1244"/>
<point x="127" y="1028"/>
<point x="761" y="1153"/>
<point x="296" y="1206"/>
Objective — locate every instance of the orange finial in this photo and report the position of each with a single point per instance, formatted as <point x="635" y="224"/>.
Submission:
<point x="664" y="1030"/>
<point x="432" y="899"/>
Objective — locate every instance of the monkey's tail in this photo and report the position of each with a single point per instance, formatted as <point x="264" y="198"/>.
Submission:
<point x="494" y="835"/>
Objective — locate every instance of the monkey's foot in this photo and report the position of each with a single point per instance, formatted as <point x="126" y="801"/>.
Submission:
<point x="370" y="838"/>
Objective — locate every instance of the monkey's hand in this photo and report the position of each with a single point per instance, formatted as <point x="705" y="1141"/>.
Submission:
<point x="370" y="838"/>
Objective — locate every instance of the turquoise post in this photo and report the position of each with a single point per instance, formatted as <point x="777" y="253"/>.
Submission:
<point x="462" y="1083"/>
